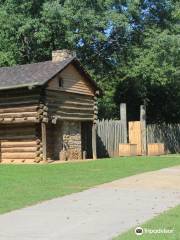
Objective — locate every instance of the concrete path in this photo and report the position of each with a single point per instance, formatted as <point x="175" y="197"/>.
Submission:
<point x="99" y="213"/>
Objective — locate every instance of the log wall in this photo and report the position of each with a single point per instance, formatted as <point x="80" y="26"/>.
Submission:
<point x="20" y="144"/>
<point x="21" y="112"/>
<point x="70" y="106"/>
<point x="21" y="106"/>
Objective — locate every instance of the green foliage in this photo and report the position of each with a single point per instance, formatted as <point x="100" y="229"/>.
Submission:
<point x="117" y="41"/>
<point x="152" y="77"/>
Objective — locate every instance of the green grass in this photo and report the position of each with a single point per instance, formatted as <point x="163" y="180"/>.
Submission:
<point x="22" y="185"/>
<point x="168" y="220"/>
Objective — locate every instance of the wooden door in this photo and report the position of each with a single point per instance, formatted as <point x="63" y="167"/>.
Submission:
<point x="135" y="136"/>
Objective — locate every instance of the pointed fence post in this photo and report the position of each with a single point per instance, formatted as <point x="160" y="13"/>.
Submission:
<point x="143" y="129"/>
<point x="123" y="118"/>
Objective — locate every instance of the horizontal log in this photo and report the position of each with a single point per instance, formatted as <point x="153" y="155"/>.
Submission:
<point x="70" y="112"/>
<point x="68" y="101"/>
<point x="20" y="149"/>
<point x="18" y="98"/>
<point x="26" y="125"/>
<point x="22" y="91"/>
<point x="19" y="109"/>
<point x="18" y="127"/>
<point x="78" y="114"/>
<point x="25" y="102"/>
<point x="75" y="118"/>
<point x="70" y="104"/>
<point x="28" y="137"/>
<point x="26" y="155"/>
<point x="59" y="92"/>
<point x="76" y="108"/>
<point x="77" y="88"/>
<point x="73" y="91"/>
<point x="22" y="143"/>
<point x="20" y="161"/>
<point x="16" y="135"/>
<point x="19" y="120"/>
<point x="19" y="115"/>
<point x="68" y="96"/>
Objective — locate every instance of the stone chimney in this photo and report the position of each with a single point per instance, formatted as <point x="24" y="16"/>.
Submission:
<point x="61" y="55"/>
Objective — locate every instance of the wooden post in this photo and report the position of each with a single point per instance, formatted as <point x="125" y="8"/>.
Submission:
<point x="44" y="141"/>
<point x="123" y="118"/>
<point x="94" y="150"/>
<point x="84" y="154"/>
<point x="0" y="152"/>
<point x="143" y="129"/>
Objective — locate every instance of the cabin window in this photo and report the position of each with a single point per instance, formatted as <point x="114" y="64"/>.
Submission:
<point x="60" y="82"/>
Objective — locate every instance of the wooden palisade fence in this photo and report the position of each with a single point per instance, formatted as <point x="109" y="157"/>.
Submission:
<point x="110" y="133"/>
<point x="169" y="134"/>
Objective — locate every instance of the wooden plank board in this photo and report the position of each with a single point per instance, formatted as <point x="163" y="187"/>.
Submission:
<point x="127" y="149"/>
<point x="156" y="149"/>
<point x="135" y="135"/>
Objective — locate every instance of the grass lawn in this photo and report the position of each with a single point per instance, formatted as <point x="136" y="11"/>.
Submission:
<point x="22" y="185"/>
<point x="168" y="220"/>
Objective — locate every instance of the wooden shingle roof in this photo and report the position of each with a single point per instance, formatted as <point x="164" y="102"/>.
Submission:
<point x="36" y="74"/>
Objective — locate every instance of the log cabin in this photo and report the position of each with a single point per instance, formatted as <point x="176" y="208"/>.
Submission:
<point x="48" y="111"/>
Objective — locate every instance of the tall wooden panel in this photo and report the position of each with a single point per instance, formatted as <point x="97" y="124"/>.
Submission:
<point x="135" y="135"/>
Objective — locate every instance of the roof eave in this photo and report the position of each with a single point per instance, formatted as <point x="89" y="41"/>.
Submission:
<point x="29" y="86"/>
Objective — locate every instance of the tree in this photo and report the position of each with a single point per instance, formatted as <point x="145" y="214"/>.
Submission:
<point x="129" y="47"/>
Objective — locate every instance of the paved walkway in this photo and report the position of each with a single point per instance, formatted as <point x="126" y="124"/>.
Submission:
<point x="99" y="213"/>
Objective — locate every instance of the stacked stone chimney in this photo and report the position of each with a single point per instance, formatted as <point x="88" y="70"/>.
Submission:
<point x="61" y="55"/>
